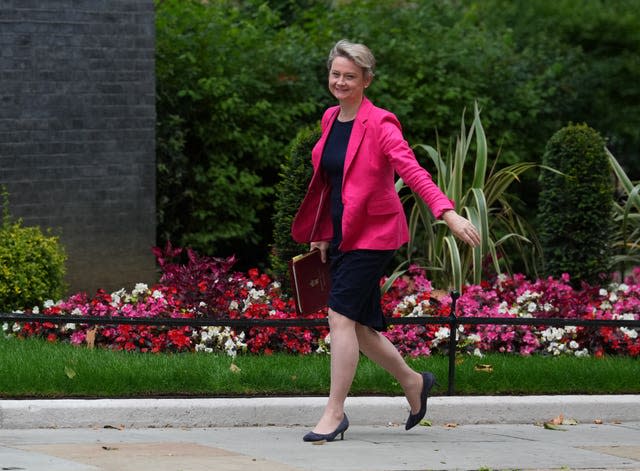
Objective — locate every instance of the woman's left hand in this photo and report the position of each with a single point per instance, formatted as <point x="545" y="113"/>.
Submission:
<point x="462" y="228"/>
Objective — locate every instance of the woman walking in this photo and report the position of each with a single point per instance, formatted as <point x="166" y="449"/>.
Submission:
<point x="353" y="215"/>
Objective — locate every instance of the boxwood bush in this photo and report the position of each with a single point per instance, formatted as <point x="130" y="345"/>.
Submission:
<point x="576" y="205"/>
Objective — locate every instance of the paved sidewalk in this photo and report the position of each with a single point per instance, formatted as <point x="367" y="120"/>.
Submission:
<point x="371" y="448"/>
<point x="466" y="434"/>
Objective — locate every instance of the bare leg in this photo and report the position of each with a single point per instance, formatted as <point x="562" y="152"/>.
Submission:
<point x="344" y="360"/>
<point x="380" y="350"/>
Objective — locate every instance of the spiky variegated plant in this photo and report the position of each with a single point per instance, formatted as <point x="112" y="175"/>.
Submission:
<point x="449" y="262"/>
<point x="626" y="243"/>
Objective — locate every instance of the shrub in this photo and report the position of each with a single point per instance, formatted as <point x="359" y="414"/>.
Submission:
<point x="295" y="175"/>
<point x="576" y="205"/>
<point x="32" y="264"/>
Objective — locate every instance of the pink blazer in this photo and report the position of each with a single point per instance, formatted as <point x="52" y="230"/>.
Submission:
<point x="373" y="216"/>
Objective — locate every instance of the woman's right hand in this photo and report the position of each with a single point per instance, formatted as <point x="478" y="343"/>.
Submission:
<point x="323" y="247"/>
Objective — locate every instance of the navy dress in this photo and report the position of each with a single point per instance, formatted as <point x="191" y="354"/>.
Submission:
<point x="355" y="275"/>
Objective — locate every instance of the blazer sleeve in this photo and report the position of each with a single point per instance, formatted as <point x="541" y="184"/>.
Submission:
<point x="404" y="162"/>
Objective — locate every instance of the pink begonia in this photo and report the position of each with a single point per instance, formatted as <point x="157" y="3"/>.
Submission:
<point x="78" y="337"/>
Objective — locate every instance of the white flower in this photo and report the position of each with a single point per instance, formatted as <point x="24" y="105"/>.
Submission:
<point x="76" y="312"/>
<point x="69" y="326"/>
<point x="631" y="333"/>
<point x="36" y="310"/>
<point x="547" y="307"/>
<point x="623" y="287"/>
<point x="532" y="307"/>
<point x="16" y="327"/>
<point x="233" y="305"/>
<point x="156" y="294"/>
<point x="582" y="353"/>
<point x="443" y="333"/>
<point x="613" y="297"/>
<point x="552" y="333"/>
<point x="229" y="346"/>
<point x="140" y="288"/>
<point x="5" y="326"/>
<point x="474" y="338"/>
<point x="48" y="303"/>
<point x="602" y="292"/>
<point x="477" y="353"/>
<point x="573" y="345"/>
<point x="570" y="329"/>
<point x="117" y="296"/>
<point x="503" y="308"/>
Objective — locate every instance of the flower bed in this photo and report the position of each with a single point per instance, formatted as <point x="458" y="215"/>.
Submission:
<point x="205" y="287"/>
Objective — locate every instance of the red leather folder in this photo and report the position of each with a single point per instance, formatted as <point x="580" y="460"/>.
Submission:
<point x="310" y="282"/>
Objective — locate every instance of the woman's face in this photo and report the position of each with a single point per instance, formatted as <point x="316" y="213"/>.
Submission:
<point x="346" y="80"/>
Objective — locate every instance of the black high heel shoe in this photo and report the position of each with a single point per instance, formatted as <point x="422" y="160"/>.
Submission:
<point x="428" y="380"/>
<point x="329" y="437"/>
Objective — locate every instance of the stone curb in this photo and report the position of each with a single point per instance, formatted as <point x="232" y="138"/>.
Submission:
<point x="304" y="411"/>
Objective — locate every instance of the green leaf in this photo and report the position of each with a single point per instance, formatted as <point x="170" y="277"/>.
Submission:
<point x="70" y="372"/>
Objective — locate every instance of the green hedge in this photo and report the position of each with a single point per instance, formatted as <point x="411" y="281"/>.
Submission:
<point x="576" y="207"/>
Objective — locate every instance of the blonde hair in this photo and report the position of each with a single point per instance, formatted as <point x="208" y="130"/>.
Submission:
<point x="360" y="54"/>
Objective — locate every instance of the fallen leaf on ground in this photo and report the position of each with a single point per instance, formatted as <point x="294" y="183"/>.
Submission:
<point x="451" y="425"/>
<point x="119" y="427"/>
<point x="234" y="368"/>
<point x="569" y="422"/>
<point x="70" y="372"/>
<point x="598" y="421"/>
<point x="550" y="426"/>
<point x="109" y="448"/>
<point x="425" y="423"/>
<point x="485" y="368"/>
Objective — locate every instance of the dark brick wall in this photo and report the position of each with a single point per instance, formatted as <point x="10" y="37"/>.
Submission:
<point x="77" y="143"/>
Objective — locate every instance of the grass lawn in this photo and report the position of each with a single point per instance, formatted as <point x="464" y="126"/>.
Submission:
<point x="36" y="369"/>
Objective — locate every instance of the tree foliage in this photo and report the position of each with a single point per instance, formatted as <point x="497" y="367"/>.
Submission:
<point x="237" y="80"/>
<point x="231" y="86"/>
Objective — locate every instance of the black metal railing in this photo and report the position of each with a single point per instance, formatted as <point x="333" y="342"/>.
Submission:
<point x="452" y="321"/>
